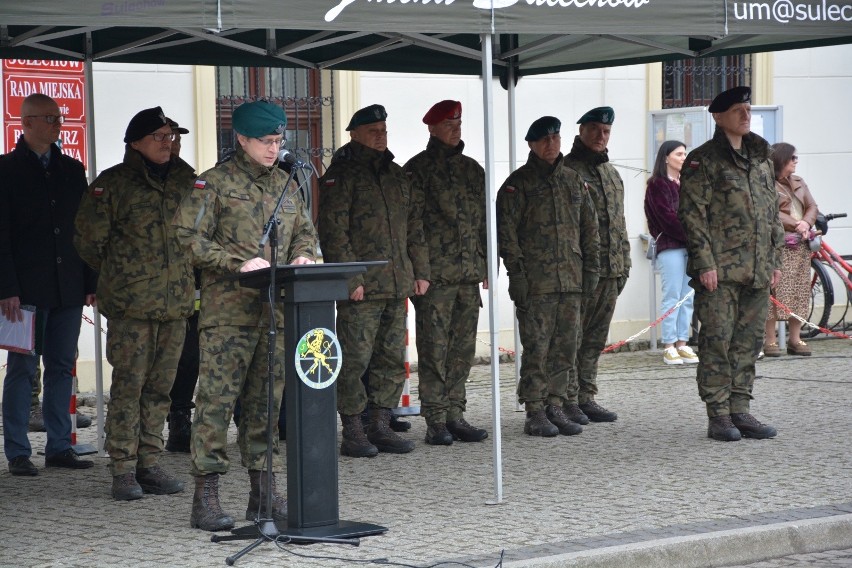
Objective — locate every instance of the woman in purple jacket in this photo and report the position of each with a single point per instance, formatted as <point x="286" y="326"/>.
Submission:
<point x="661" y="202"/>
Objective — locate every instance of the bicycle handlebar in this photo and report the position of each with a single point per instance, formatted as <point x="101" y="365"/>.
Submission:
<point x="832" y="216"/>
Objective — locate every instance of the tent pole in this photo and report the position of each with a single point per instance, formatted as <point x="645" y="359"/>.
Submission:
<point x="91" y="167"/>
<point x="491" y="216"/>
<point x="513" y="165"/>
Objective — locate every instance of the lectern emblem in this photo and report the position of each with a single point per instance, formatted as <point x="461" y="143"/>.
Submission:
<point x="318" y="358"/>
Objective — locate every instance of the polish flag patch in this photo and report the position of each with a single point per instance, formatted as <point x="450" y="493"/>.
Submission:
<point x="330" y="182"/>
<point x="98" y="191"/>
<point x="694" y="164"/>
<point x="510" y="189"/>
<point x="199" y="184"/>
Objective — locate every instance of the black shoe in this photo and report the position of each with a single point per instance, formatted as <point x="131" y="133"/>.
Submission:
<point x="750" y="427"/>
<point x="597" y="413"/>
<point x="463" y="431"/>
<point x="574" y="414"/>
<point x="557" y="417"/>
<point x="397" y="424"/>
<point x="537" y="424"/>
<point x="67" y="459"/>
<point x="22" y="465"/>
<point x="721" y="428"/>
<point x="438" y="435"/>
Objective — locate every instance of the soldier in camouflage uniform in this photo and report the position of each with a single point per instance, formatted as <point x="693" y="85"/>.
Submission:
<point x="221" y="222"/>
<point x="547" y="232"/>
<point x="145" y="288"/>
<point x="729" y="211"/>
<point x="590" y="159"/>
<point x="366" y="214"/>
<point x="448" y="190"/>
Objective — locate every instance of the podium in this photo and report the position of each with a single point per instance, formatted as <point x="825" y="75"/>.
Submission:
<point x="311" y="360"/>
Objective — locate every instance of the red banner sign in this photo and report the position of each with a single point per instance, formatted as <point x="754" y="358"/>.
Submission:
<point x="68" y="92"/>
<point x="72" y="139"/>
<point x="43" y="65"/>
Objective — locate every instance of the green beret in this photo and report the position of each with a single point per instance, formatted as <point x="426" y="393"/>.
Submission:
<point x="604" y="115"/>
<point x="542" y="127"/>
<point x="367" y="115"/>
<point x="259" y="118"/>
<point x="727" y="99"/>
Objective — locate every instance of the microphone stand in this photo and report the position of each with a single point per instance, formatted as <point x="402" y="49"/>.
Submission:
<point x="265" y="529"/>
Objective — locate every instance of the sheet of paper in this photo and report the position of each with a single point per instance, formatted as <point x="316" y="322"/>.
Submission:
<point x="20" y="335"/>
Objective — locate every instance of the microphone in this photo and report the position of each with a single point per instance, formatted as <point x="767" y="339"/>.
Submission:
<point x="289" y="158"/>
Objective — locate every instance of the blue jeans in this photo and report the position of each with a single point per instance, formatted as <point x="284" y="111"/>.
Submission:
<point x="61" y="332"/>
<point x="675" y="284"/>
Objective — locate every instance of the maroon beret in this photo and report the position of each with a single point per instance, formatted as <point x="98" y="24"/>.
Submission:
<point x="442" y="111"/>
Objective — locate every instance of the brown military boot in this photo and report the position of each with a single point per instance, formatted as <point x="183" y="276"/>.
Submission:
<point x="355" y="443"/>
<point x="537" y="424"/>
<point x="721" y="428"/>
<point x="438" y="435"/>
<point x="207" y="513"/>
<point x="750" y="427"/>
<point x="557" y="417"/>
<point x="574" y="414"/>
<point x="597" y="413"/>
<point x="155" y="480"/>
<point x="257" y="498"/>
<point x="382" y="437"/>
<point x="461" y="430"/>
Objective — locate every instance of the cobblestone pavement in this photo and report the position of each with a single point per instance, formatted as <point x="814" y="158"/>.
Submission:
<point x="647" y="490"/>
<point x="827" y="559"/>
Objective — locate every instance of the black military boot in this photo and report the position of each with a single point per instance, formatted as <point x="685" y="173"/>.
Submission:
<point x="597" y="413"/>
<point x="180" y="430"/>
<point x="557" y="417"/>
<point x="257" y="496"/>
<point x="750" y="427"/>
<point x="381" y="436"/>
<point x="155" y="480"/>
<point x="207" y="513"/>
<point x="722" y="428"/>
<point x="438" y="435"/>
<point x="397" y="424"/>
<point x="125" y="488"/>
<point x="537" y="424"/>
<point x="355" y="443"/>
<point x="463" y="431"/>
<point x="574" y="414"/>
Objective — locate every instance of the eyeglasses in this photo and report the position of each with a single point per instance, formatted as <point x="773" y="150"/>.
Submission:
<point x="270" y="142"/>
<point x="160" y="136"/>
<point x="48" y="118"/>
<point x="795" y="158"/>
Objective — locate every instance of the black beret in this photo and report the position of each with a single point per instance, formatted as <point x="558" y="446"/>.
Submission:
<point x="177" y="127"/>
<point x="259" y="118"/>
<point x="542" y="127"/>
<point x="727" y="99"/>
<point x="144" y="123"/>
<point x="604" y="115"/>
<point x="367" y="115"/>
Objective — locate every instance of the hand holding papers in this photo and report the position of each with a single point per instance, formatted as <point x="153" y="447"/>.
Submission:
<point x="16" y="334"/>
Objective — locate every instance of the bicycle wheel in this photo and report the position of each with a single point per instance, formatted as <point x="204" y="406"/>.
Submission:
<point x="822" y="298"/>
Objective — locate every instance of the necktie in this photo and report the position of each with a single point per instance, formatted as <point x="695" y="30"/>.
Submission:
<point x="44" y="160"/>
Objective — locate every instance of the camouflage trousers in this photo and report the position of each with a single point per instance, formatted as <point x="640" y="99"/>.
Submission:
<point x="731" y="335"/>
<point x="548" y="328"/>
<point x="598" y="309"/>
<point x="446" y="320"/>
<point x="371" y="333"/>
<point x="144" y="356"/>
<point x="234" y="364"/>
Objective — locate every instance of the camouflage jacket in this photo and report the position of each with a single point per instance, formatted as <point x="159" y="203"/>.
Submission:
<point x="546" y="226"/>
<point x="448" y="192"/>
<point x="366" y="213"/>
<point x="607" y="192"/>
<point x="221" y="224"/>
<point x="729" y="211"/>
<point x="123" y="230"/>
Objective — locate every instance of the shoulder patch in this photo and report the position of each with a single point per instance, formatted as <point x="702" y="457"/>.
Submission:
<point x="330" y="182"/>
<point x="693" y="164"/>
<point x="511" y="189"/>
<point x="98" y="191"/>
<point x="199" y="184"/>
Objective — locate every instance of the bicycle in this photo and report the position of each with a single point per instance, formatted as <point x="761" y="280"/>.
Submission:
<point x="822" y="288"/>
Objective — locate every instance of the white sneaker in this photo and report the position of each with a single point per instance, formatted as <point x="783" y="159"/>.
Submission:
<point x="687" y="354"/>
<point x="671" y="356"/>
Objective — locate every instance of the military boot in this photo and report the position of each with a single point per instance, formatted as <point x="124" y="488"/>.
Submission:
<point x="461" y="430"/>
<point x="537" y="424"/>
<point x="155" y="480"/>
<point x="37" y="420"/>
<point x="355" y="443"/>
<point x="597" y="413"/>
<point x="180" y="430"/>
<point x="722" y="428"/>
<point x="125" y="488"/>
<point x="574" y="414"/>
<point x="438" y="435"/>
<point x="397" y="424"/>
<point x="557" y="417"/>
<point x="207" y="513"/>
<point x="382" y="437"/>
<point x="749" y="427"/>
<point x="257" y="498"/>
